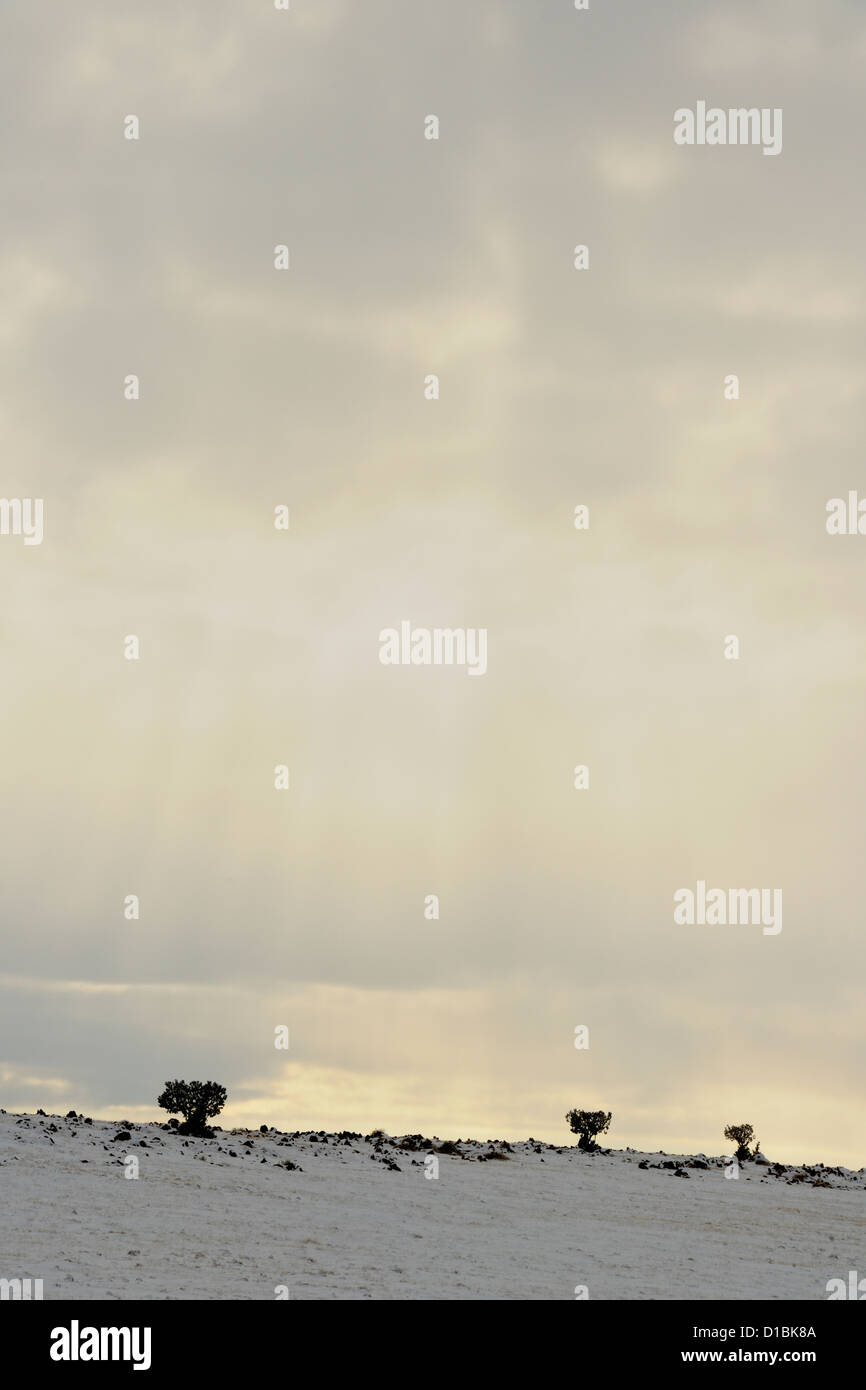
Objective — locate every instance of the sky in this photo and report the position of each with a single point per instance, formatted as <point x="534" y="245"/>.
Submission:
<point x="259" y="647"/>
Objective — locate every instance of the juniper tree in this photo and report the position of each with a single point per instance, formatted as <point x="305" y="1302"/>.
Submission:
<point x="197" y="1101"/>
<point x="742" y="1136"/>
<point x="588" y="1123"/>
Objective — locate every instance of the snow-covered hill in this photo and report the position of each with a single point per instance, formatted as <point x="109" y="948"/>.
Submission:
<point x="250" y="1215"/>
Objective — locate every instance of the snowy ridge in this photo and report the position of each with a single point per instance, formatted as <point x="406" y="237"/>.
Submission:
<point x="250" y="1212"/>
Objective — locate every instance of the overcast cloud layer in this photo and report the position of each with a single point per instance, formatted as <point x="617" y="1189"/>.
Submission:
<point x="558" y="387"/>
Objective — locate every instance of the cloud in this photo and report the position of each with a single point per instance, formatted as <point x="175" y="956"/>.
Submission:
<point x="558" y="387"/>
<point x="628" y="166"/>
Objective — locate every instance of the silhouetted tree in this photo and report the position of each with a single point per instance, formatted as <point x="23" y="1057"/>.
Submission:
<point x="588" y="1123"/>
<point x="197" y="1101"/>
<point x="742" y="1136"/>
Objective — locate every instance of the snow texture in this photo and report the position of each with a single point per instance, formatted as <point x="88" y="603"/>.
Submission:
<point x="357" y="1217"/>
